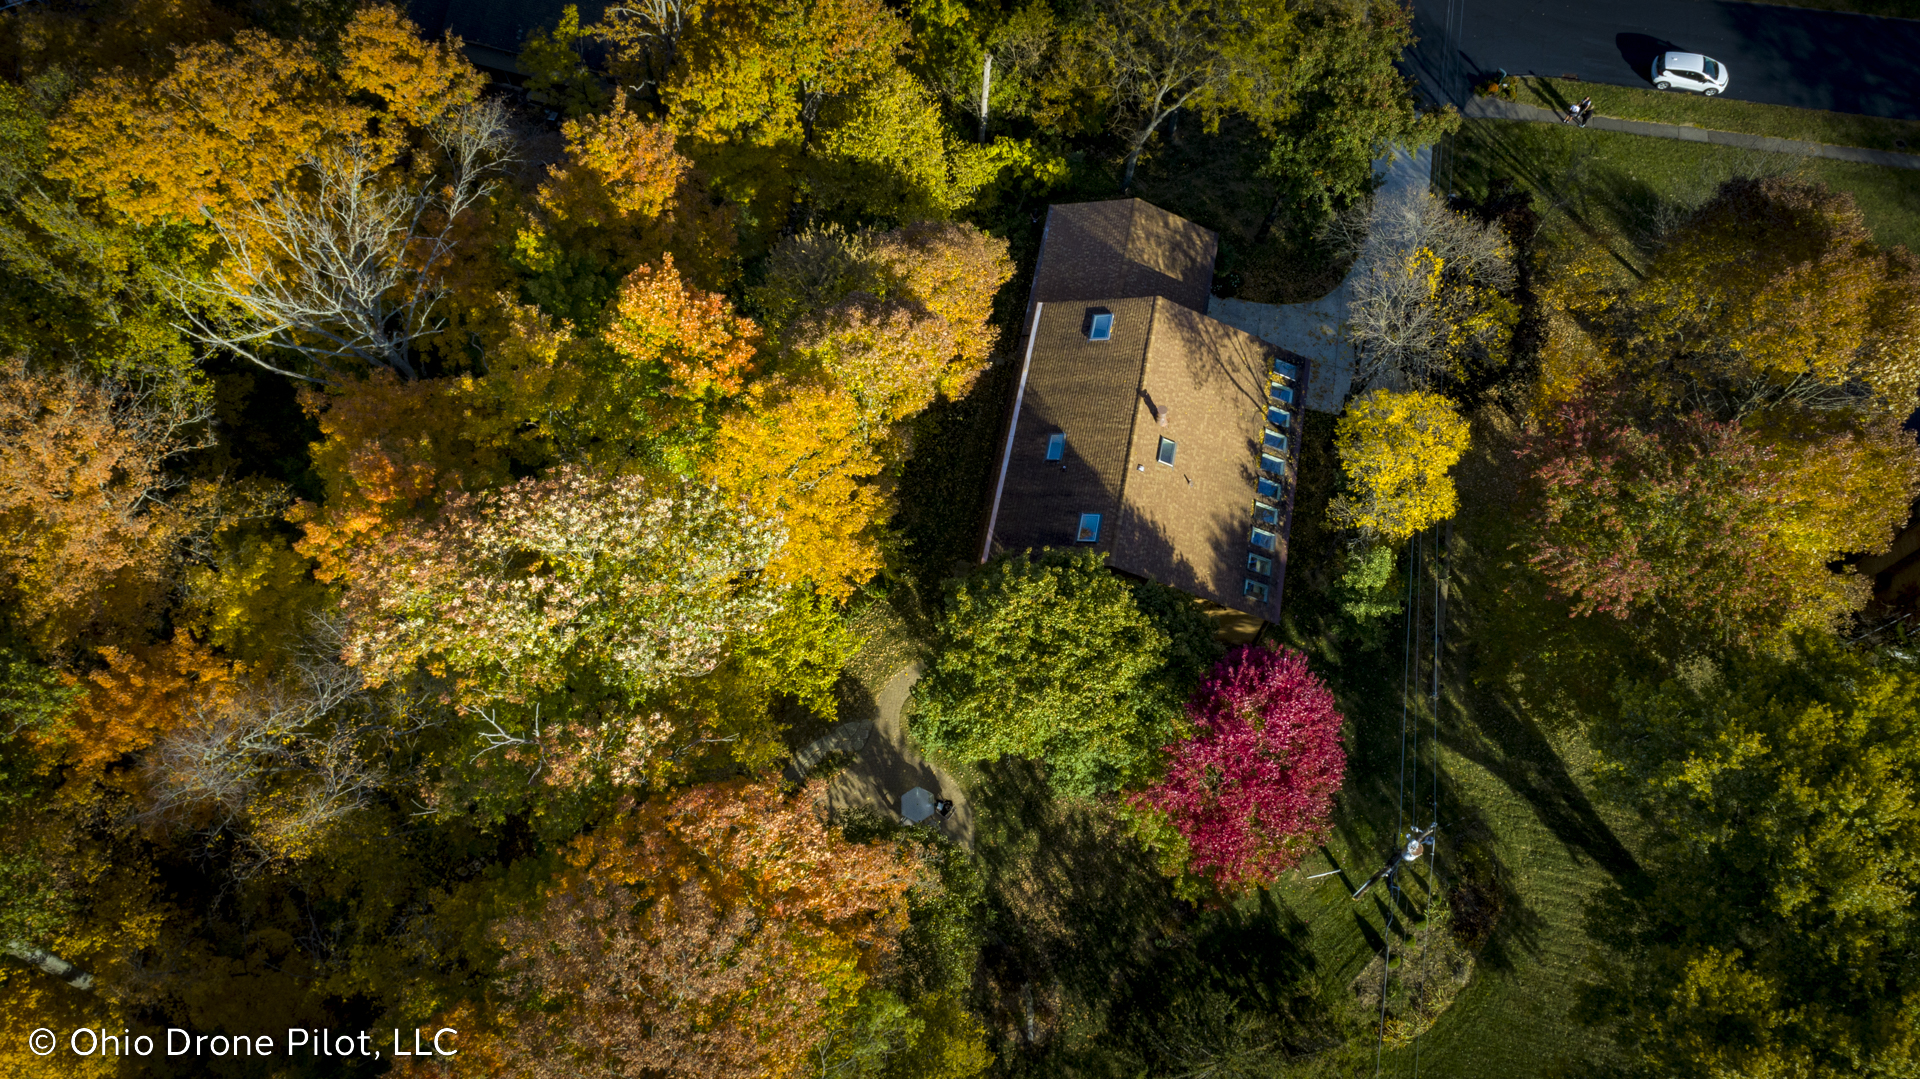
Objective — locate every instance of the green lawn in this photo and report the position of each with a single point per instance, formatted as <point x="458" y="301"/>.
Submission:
<point x="1512" y="792"/>
<point x="1725" y="114"/>
<point x="1626" y="188"/>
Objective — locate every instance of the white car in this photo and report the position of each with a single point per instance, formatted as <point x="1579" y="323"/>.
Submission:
<point x="1689" y="71"/>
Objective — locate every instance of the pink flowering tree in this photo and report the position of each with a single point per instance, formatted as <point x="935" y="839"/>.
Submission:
<point x="1251" y="790"/>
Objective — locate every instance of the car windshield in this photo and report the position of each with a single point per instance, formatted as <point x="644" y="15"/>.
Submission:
<point x="1712" y="69"/>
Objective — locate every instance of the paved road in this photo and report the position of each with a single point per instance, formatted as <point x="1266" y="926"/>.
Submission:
<point x="1779" y="55"/>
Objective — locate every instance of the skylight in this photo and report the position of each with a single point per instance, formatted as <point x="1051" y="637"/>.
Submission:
<point x="1276" y="441"/>
<point x="1100" y="327"/>
<point x="1165" y="456"/>
<point x="1265" y="539"/>
<point x="1285" y="370"/>
<point x="1279" y="417"/>
<point x="1089" y="529"/>
<point x="1275" y="465"/>
<point x="1256" y="589"/>
<point x="1267" y="488"/>
<point x="1056" y="447"/>
<point x="1259" y="563"/>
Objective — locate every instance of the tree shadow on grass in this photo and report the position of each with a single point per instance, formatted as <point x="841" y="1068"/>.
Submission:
<point x="1086" y="929"/>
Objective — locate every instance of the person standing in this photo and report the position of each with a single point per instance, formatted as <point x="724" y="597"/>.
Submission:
<point x="1586" y="110"/>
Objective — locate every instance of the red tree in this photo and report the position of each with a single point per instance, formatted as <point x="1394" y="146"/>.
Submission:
<point x="1250" y="791"/>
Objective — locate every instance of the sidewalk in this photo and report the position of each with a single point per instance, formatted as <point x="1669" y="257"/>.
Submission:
<point x="1313" y="329"/>
<point x="1489" y="108"/>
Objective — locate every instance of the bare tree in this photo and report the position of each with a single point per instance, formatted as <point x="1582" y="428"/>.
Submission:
<point x="278" y="762"/>
<point x="1422" y="274"/>
<point x="346" y="273"/>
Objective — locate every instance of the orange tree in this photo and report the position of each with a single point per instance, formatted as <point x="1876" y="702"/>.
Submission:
<point x="712" y="933"/>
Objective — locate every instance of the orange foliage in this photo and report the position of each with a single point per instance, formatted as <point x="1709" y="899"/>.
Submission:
<point x="141" y="695"/>
<point x="797" y="451"/>
<point x="87" y="531"/>
<point x="392" y="450"/>
<point x="661" y="325"/>
<point x="712" y="934"/>
<point x="224" y="126"/>
<point x="419" y="80"/>
<point x="619" y="167"/>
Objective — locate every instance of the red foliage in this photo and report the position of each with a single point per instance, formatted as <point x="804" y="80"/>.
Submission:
<point x="1250" y="791"/>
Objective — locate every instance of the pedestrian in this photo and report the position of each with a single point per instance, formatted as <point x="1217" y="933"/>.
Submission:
<point x="1572" y="114"/>
<point x="1586" y="110"/>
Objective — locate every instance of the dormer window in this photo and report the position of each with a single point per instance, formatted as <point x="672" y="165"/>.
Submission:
<point x="1279" y="417"/>
<point x="1056" y="446"/>
<point x="1276" y="441"/>
<point x="1100" y="326"/>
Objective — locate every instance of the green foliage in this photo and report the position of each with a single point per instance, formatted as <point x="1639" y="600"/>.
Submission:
<point x="1050" y="658"/>
<point x="802" y="650"/>
<point x="1349" y="103"/>
<point x="558" y="76"/>
<point x="1370" y="588"/>
<point x="1781" y="803"/>
<point x="1191" y="645"/>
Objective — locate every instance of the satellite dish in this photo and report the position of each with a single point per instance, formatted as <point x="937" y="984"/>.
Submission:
<point x="917" y="805"/>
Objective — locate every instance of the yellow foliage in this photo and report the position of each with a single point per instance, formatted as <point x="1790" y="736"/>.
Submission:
<point x="1396" y="449"/>
<point x="420" y="81"/>
<point x="250" y="603"/>
<point x="796" y="451"/>
<point x="224" y="126"/>
<point x="1570" y="360"/>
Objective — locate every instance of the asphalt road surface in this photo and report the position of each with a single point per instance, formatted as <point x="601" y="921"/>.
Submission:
<point x="1779" y="55"/>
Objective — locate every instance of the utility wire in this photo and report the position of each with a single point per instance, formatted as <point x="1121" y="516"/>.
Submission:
<point x="1400" y="798"/>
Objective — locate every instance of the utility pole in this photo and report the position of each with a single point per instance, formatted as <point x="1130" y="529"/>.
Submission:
<point x="986" y="86"/>
<point x="1416" y="846"/>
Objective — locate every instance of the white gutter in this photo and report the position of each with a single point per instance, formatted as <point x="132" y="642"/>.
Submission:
<point x="1006" y="452"/>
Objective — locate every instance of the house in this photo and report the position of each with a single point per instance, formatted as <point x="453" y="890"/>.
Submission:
<point x="1141" y="427"/>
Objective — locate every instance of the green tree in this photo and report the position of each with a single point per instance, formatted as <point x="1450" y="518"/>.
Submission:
<point x="1210" y="57"/>
<point x="1771" y="930"/>
<point x="1350" y="103"/>
<point x="1051" y="658"/>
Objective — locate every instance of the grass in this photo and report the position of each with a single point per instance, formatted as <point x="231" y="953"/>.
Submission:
<point x="1512" y="794"/>
<point x="1624" y="189"/>
<point x="1725" y="114"/>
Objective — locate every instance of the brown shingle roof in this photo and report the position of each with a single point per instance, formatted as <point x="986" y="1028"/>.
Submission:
<point x="1169" y="372"/>
<point x="1186" y="525"/>
<point x="1121" y="249"/>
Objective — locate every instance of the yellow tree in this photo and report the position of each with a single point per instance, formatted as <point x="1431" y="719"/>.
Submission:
<point x="1774" y="293"/>
<point x="1396" y="450"/>
<point x="797" y="451"/>
<point x="225" y="125"/>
